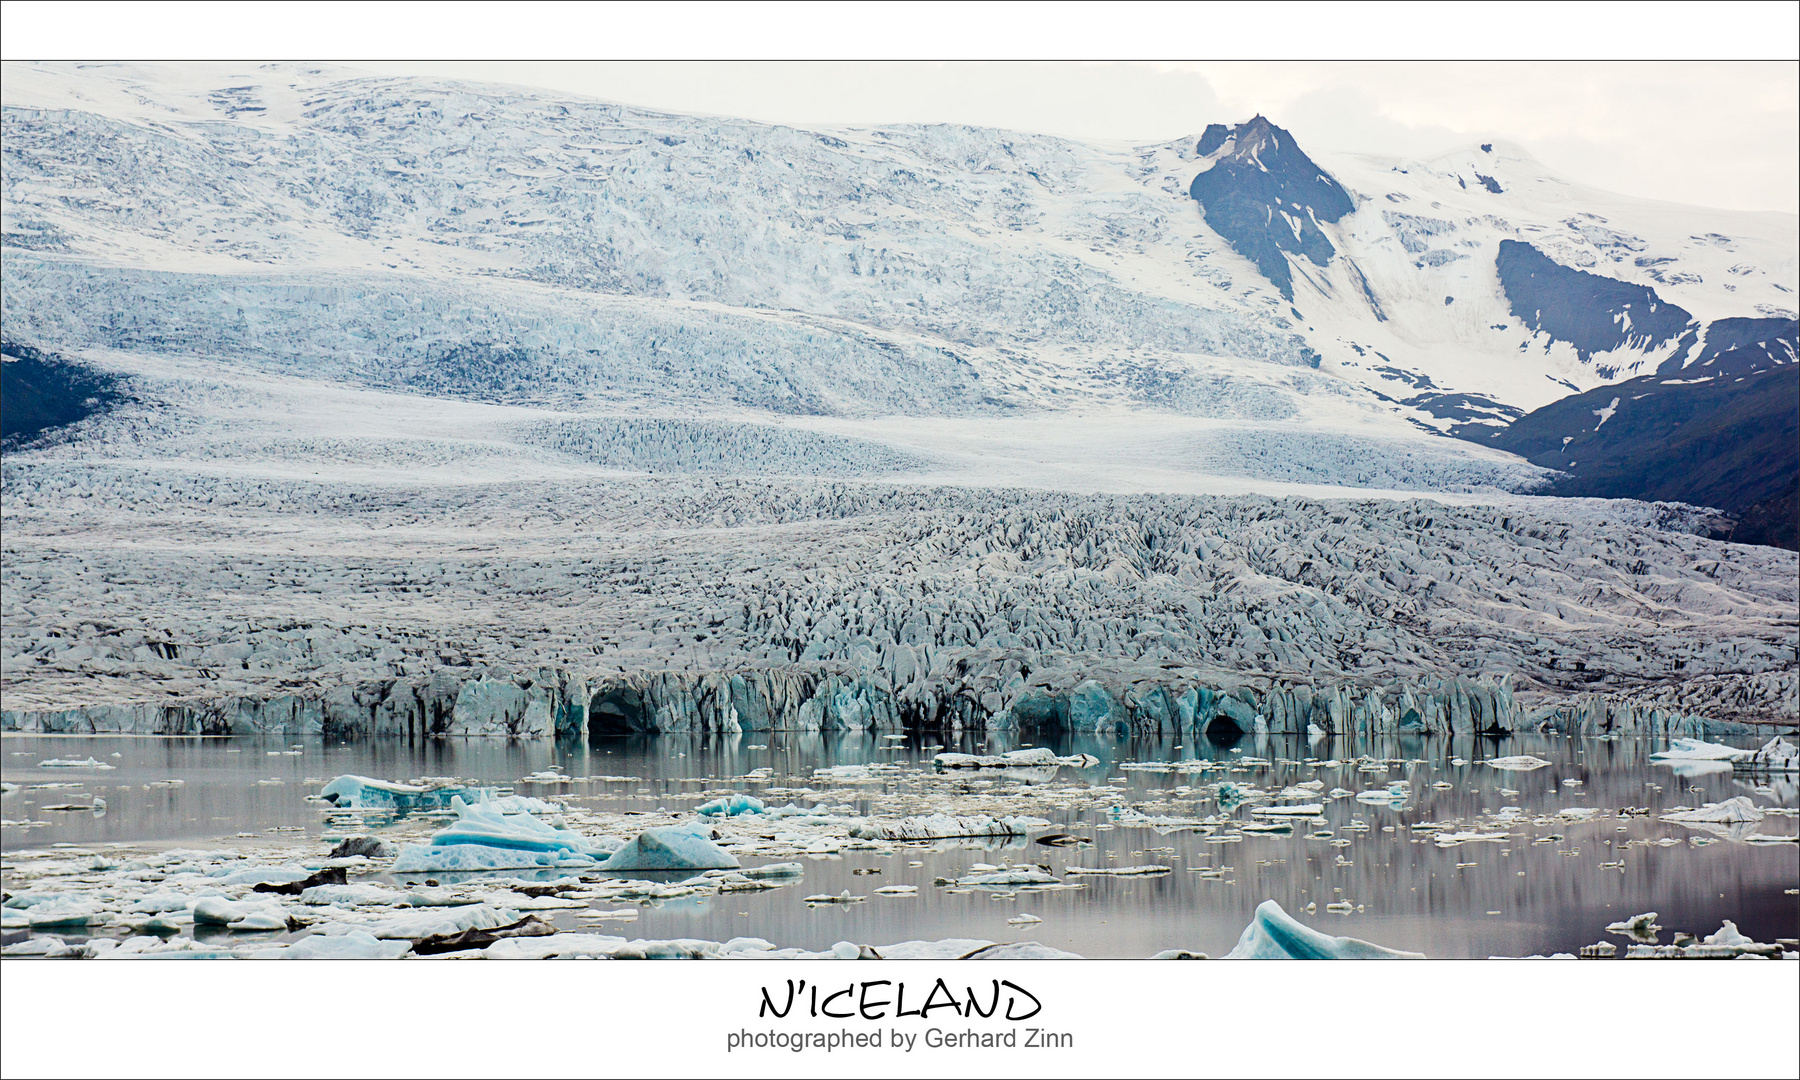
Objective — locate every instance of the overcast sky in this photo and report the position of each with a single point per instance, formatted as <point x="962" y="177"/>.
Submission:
<point x="1712" y="134"/>
<point x="1723" y="133"/>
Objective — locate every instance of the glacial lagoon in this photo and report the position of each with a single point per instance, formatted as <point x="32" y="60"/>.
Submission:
<point x="1585" y="846"/>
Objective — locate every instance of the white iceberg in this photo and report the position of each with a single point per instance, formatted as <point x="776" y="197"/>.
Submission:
<point x="429" y="922"/>
<point x="70" y="763"/>
<point x="354" y="945"/>
<point x="1696" y="750"/>
<point x="1517" y="763"/>
<point x="1305" y="810"/>
<point x="1118" y="871"/>
<point x="1275" y="935"/>
<point x="1729" y="812"/>
<point x="1776" y="755"/>
<point x="671" y="847"/>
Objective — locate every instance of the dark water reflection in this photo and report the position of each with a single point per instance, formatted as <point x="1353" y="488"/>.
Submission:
<point x="1549" y="896"/>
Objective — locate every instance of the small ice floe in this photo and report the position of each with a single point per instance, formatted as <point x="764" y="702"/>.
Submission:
<point x="848" y="774"/>
<point x="1730" y="811"/>
<point x="1118" y="871"/>
<point x="1275" y="935"/>
<point x="1776" y="755"/>
<point x="1023" y="919"/>
<point x="671" y="847"/>
<point x="351" y="945"/>
<point x="1639" y="928"/>
<point x="730" y="806"/>
<point x="1304" y="810"/>
<point x="49" y="911"/>
<point x="1517" y="763"/>
<point x="1455" y="838"/>
<point x="235" y="915"/>
<point x="49" y="948"/>
<point x="257" y="875"/>
<point x="1035" y="757"/>
<point x="1771" y="838"/>
<point x="71" y="763"/>
<point x="984" y="876"/>
<point x="1132" y="818"/>
<point x="351" y="792"/>
<point x="1266" y="827"/>
<point x="775" y="870"/>
<point x="358" y="895"/>
<point x="1727" y="943"/>
<point x="425" y="923"/>
<point x="898" y="890"/>
<point x="546" y="777"/>
<point x="826" y="898"/>
<point x="943" y="826"/>
<point x="1697" y="750"/>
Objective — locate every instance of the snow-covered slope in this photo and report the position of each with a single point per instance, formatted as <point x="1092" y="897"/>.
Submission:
<point x="495" y="238"/>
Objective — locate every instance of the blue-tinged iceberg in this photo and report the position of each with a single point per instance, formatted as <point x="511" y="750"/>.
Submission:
<point x="671" y="847"/>
<point x="1275" y="935"/>
<point x="365" y="793"/>
<point x="731" y="806"/>
<point x="484" y="838"/>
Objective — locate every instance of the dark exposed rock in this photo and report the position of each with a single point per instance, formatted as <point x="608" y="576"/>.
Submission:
<point x="366" y="846"/>
<point x="330" y="876"/>
<point x="1267" y="198"/>
<point x="1593" y="313"/>
<point x="41" y="391"/>
<point x="529" y="926"/>
<point x="1727" y="442"/>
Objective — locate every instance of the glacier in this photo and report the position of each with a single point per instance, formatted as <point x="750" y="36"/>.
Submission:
<point x="462" y="410"/>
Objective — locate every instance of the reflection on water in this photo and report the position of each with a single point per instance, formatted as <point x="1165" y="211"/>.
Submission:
<point x="1551" y="887"/>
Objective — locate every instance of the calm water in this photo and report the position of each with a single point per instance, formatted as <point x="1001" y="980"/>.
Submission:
<point x="1546" y="890"/>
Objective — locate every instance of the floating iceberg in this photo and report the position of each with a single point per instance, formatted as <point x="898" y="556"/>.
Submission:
<point x="1306" y="810"/>
<point x="465" y="858"/>
<point x="1729" y="812"/>
<point x="671" y="847"/>
<point x="1013" y="877"/>
<point x="218" y="911"/>
<point x="1275" y="935"/>
<point x="1639" y="928"/>
<point x="1696" y="750"/>
<point x="354" y="945"/>
<point x="257" y="875"/>
<point x="1118" y="871"/>
<point x="363" y="793"/>
<point x="484" y="825"/>
<point x="942" y="826"/>
<point x="1037" y="756"/>
<point x="1776" y="755"/>
<point x="731" y="806"/>
<point x="357" y="895"/>
<point x="429" y="922"/>
<point x="70" y="763"/>
<point x="1517" y="763"/>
